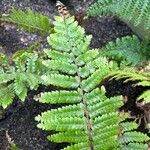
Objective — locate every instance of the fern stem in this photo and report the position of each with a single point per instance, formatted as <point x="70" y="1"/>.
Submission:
<point x="86" y="113"/>
<point x="83" y="101"/>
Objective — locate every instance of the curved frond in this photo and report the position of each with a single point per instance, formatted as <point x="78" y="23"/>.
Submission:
<point x="141" y="78"/>
<point x="136" y="11"/>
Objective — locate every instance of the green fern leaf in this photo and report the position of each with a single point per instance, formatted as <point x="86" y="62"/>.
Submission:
<point x="130" y="74"/>
<point x="7" y="95"/>
<point x="140" y="77"/>
<point x="125" y="48"/>
<point x="20" y="87"/>
<point x="62" y="66"/>
<point x="60" y="97"/>
<point x="29" y="21"/>
<point x="90" y="120"/>
<point x="133" y="146"/>
<point x="133" y="137"/>
<point x="5" y="77"/>
<point x="145" y="95"/>
<point x="128" y="126"/>
<point x="60" y="80"/>
<point x="57" y="55"/>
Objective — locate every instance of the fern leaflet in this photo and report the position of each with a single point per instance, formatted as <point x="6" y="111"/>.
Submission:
<point x="29" y="20"/>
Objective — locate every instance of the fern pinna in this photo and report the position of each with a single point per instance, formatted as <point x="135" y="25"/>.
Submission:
<point x="16" y="79"/>
<point x="90" y="121"/>
<point x="29" y="20"/>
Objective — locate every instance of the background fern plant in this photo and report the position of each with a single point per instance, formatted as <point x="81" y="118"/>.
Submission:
<point x="128" y="49"/>
<point x="134" y="12"/>
<point x="17" y="78"/>
<point x="90" y="121"/>
<point x="29" y="21"/>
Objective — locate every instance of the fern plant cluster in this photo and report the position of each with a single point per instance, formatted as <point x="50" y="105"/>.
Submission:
<point x="25" y="71"/>
<point x="128" y="49"/>
<point x="136" y="14"/>
<point x="26" y="68"/>
<point x="90" y="121"/>
<point x="120" y="50"/>
<point x="16" y="78"/>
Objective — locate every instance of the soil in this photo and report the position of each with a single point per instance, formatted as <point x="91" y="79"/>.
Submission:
<point x="18" y="119"/>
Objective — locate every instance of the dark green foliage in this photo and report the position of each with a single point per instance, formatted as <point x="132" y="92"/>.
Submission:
<point x="128" y="49"/>
<point x="131" y="10"/>
<point x="90" y="121"/>
<point x="29" y="20"/>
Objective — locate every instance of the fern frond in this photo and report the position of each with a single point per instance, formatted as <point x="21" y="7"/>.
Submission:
<point x="63" y="81"/>
<point x="130" y="140"/>
<point x="62" y="66"/>
<point x="57" y="55"/>
<point x="67" y="136"/>
<point x="125" y="48"/>
<point x="90" y="120"/>
<point x="20" y="87"/>
<point x="134" y="12"/>
<point x="5" y="77"/>
<point x="106" y="120"/>
<point x="29" y="20"/>
<point x="140" y="77"/>
<point x="16" y="80"/>
<point x="131" y="74"/>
